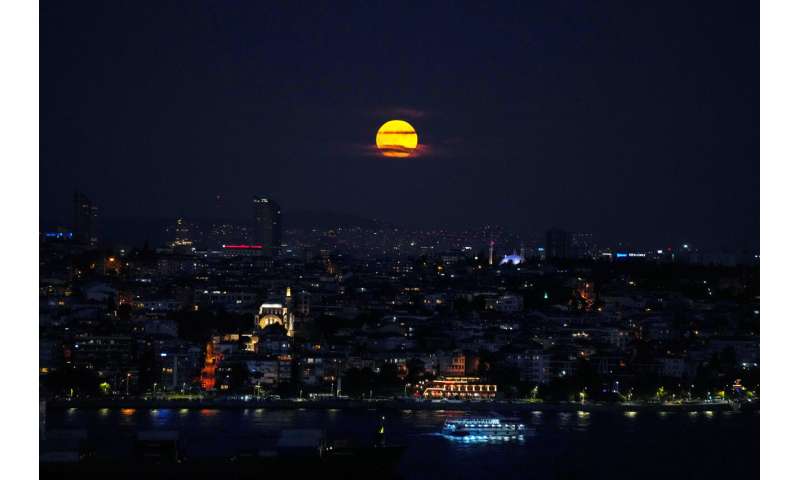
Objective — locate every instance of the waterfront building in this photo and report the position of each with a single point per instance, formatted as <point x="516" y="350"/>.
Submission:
<point x="460" y="388"/>
<point x="532" y="364"/>
<point x="453" y="364"/>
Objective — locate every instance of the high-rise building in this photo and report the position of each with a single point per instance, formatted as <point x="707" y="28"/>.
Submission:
<point x="557" y="244"/>
<point x="267" y="224"/>
<point x="561" y="244"/>
<point x="582" y="245"/>
<point x="183" y="235"/>
<point x="84" y="220"/>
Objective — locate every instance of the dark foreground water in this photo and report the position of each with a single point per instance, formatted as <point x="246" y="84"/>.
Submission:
<point x="616" y="445"/>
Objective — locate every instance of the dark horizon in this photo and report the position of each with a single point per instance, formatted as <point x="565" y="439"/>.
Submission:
<point x="636" y="123"/>
<point x="136" y="231"/>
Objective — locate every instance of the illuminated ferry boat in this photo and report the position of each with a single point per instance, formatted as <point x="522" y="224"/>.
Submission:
<point x="482" y="427"/>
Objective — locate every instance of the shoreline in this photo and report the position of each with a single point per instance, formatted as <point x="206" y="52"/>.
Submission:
<point x="492" y="406"/>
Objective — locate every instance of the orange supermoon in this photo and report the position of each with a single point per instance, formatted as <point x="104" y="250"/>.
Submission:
<point x="396" y="138"/>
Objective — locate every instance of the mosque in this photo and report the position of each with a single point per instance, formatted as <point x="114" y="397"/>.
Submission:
<point x="277" y="310"/>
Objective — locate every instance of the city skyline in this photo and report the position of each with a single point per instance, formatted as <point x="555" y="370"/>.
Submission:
<point x="564" y="122"/>
<point x="398" y="240"/>
<point x="156" y="230"/>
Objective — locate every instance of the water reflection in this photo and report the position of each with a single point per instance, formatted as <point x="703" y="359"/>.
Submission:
<point x="485" y="439"/>
<point x="563" y="436"/>
<point x="584" y="421"/>
<point x="564" y="420"/>
<point x="537" y="418"/>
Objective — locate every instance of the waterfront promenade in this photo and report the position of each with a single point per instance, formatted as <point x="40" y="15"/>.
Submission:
<point x="499" y="406"/>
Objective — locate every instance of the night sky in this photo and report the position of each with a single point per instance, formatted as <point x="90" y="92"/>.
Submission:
<point x="637" y="121"/>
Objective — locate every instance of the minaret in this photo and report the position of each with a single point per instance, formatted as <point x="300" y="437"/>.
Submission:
<point x="288" y="313"/>
<point x="491" y="252"/>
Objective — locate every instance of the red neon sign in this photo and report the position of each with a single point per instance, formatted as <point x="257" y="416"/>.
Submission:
<point x="244" y="247"/>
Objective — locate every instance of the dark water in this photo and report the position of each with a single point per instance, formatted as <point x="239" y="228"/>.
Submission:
<point x="559" y="445"/>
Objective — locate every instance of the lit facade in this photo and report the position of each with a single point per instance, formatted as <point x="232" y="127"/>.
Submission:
<point x="461" y="388"/>
<point x="183" y="237"/>
<point x="279" y="312"/>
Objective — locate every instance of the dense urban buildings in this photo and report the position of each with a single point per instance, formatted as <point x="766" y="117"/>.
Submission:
<point x="457" y="240"/>
<point x="376" y="311"/>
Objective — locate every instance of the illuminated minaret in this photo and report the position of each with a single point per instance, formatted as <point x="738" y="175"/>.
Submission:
<point x="491" y="252"/>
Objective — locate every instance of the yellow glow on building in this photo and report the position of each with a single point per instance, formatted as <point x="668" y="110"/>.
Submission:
<point x="459" y="387"/>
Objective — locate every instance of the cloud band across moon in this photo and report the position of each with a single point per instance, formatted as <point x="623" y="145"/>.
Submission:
<point x="396" y="138"/>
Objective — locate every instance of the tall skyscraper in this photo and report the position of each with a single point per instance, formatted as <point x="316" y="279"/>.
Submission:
<point x="84" y="220"/>
<point x="582" y="245"/>
<point x="561" y="244"/>
<point x="267" y="224"/>
<point x="556" y="244"/>
<point x="183" y="235"/>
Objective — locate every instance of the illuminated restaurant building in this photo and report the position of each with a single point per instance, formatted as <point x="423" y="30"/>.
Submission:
<point x="461" y="388"/>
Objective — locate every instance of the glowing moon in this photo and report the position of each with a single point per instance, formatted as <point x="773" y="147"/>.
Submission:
<point x="396" y="138"/>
